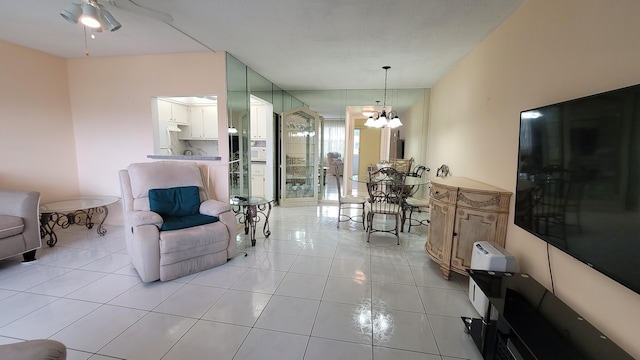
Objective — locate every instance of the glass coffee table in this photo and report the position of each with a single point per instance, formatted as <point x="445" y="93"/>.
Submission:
<point x="81" y="211"/>
<point x="252" y="210"/>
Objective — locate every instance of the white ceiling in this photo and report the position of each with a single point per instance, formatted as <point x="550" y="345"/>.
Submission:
<point x="296" y="44"/>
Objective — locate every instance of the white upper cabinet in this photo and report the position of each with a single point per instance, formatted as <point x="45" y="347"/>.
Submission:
<point x="210" y="122"/>
<point x="258" y="122"/>
<point x="203" y="124"/>
<point x="172" y="112"/>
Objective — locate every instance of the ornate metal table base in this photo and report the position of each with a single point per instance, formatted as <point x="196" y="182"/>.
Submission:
<point x="251" y="212"/>
<point x="80" y="217"/>
<point x="81" y="211"/>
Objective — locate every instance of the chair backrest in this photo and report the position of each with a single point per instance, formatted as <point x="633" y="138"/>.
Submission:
<point x="139" y="178"/>
<point x="555" y="187"/>
<point x="332" y="157"/>
<point x="386" y="189"/>
<point x="419" y="170"/>
<point x="402" y="165"/>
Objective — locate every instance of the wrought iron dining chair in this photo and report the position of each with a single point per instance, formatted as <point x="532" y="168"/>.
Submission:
<point x="349" y="202"/>
<point x="560" y="191"/>
<point x="402" y="165"/>
<point x="415" y="204"/>
<point x="386" y="189"/>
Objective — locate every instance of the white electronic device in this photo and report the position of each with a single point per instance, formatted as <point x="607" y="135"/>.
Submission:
<point x="490" y="257"/>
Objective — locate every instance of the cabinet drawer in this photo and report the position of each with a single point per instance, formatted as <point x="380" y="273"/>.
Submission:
<point x="257" y="170"/>
<point x="443" y="193"/>
<point x="483" y="200"/>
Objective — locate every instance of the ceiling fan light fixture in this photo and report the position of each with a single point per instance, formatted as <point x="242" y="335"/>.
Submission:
<point x="108" y="21"/>
<point x="72" y="13"/>
<point x="89" y="17"/>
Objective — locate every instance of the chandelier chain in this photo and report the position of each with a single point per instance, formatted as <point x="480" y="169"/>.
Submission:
<point x="386" y="71"/>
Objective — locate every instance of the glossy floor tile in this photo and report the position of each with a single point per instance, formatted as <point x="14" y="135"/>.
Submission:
<point x="309" y="291"/>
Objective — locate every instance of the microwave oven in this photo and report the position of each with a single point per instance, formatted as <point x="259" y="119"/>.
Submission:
<point x="258" y="153"/>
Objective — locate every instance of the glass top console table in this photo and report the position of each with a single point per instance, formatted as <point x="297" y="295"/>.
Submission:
<point x="252" y="210"/>
<point x="81" y="211"/>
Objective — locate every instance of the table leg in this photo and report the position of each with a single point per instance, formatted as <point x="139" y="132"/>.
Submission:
<point x="265" y="230"/>
<point x="250" y="217"/>
<point x="47" y="222"/>
<point x="102" y="210"/>
<point x="88" y="219"/>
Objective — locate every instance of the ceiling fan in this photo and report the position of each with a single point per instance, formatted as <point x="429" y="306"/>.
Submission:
<point x="93" y="14"/>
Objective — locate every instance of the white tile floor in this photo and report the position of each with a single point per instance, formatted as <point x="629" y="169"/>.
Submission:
<point x="310" y="291"/>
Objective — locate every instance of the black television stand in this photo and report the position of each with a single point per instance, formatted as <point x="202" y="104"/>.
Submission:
<point x="526" y="322"/>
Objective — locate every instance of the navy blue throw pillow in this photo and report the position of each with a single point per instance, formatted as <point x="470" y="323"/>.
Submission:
<point x="177" y="201"/>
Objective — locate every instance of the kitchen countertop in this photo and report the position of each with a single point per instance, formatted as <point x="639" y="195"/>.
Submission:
<point x="184" y="157"/>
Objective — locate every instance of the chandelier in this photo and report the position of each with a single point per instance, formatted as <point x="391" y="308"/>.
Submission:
<point x="379" y="120"/>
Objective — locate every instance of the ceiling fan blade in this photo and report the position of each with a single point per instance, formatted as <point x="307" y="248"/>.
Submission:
<point x="134" y="7"/>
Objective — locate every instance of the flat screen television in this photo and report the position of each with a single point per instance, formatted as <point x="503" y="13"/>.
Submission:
<point x="578" y="182"/>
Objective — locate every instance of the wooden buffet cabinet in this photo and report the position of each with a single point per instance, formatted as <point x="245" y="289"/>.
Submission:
<point x="464" y="211"/>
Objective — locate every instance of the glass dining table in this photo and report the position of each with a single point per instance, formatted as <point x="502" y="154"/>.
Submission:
<point x="412" y="183"/>
<point x="408" y="180"/>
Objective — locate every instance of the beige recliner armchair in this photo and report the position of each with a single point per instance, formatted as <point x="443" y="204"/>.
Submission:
<point x="39" y="349"/>
<point x="179" y="237"/>
<point x="19" y="224"/>
<point x="334" y="164"/>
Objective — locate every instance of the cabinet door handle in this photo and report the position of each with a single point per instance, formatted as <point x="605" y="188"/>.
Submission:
<point x="455" y="233"/>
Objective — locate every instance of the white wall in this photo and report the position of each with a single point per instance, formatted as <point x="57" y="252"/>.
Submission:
<point x="546" y="52"/>
<point x="111" y="110"/>
<point x="37" y="146"/>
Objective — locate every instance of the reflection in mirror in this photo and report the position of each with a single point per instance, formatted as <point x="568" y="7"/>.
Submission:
<point x="186" y="125"/>
<point x="238" y="118"/>
<point x="343" y="113"/>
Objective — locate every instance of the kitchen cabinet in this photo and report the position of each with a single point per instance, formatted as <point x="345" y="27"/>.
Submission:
<point x="463" y="211"/>
<point x="163" y="136"/>
<point x="258" y="122"/>
<point x="172" y="112"/>
<point x="257" y="179"/>
<point x="203" y="124"/>
<point x="300" y="150"/>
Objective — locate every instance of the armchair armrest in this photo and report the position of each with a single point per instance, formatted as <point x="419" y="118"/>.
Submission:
<point x="214" y="207"/>
<point x="23" y="204"/>
<point x="140" y="218"/>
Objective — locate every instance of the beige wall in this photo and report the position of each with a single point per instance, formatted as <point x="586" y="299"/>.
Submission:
<point x="414" y="130"/>
<point x="37" y="146"/>
<point x="70" y="125"/>
<point x="111" y="110"/>
<point x="369" y="146"/>
<point x="547" y="51"/>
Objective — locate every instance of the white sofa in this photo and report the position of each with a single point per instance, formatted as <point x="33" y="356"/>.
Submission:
<point x="167" y="255"/>
<point x="19" y="224"/>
